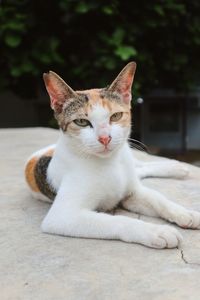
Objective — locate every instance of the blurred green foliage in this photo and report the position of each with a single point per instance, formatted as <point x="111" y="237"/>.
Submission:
<point x="88" y="42"/>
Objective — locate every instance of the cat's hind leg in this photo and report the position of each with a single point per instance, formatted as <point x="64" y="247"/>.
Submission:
<point x="166" y="168"/>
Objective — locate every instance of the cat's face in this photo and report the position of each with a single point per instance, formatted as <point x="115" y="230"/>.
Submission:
<point x="97" y="121"/>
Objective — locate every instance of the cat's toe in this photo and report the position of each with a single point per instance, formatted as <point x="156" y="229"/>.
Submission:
<point x="189" y="220"/>
<point x="180" y="170"/>
<point x="165" y="237"/>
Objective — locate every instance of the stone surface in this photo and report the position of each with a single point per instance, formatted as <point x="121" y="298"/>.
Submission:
<point x="38" y="266"/>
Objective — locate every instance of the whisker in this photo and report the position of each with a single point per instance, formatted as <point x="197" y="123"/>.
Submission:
<point x="85" y="151"/>
<point x="138" y="145"/>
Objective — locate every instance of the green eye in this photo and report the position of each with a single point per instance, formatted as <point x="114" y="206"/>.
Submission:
<point x="116" y="117"/>
<point x="82" y="122"/>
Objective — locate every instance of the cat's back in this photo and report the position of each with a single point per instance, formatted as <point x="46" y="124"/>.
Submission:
<point x="36" y="173"/>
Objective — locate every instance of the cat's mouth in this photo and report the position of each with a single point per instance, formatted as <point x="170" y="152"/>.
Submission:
<point x="106" y="150"/>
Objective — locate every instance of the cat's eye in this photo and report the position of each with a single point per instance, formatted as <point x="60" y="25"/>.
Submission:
<point x="82" y="122"/>
<point x="116" y="117"/>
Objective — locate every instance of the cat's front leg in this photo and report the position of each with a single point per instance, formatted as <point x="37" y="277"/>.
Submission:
<point x="90" y="224"/>
<point x="70" y="215"/>
<point x="149" y="202"/>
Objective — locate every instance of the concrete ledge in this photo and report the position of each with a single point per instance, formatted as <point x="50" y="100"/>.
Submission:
<point x="38" y="266"/>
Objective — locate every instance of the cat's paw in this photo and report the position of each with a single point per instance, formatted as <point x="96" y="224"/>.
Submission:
<point x="188" y="219"/>
<point x="179" y="169"/>
<point x="164" y="236"/>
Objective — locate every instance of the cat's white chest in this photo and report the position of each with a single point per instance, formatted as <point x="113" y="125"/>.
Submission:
<point x="111" y="185"/>
<point x="102" y="183"/>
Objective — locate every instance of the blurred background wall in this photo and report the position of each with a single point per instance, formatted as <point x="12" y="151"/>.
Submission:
<point x="87" y="43"/>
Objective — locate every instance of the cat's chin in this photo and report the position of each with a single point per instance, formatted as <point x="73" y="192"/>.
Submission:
<point x="102" y="154"/>
<point x="105" y="153"/>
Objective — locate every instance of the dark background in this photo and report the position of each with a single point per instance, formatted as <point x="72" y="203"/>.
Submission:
<point x="87" y="43"/>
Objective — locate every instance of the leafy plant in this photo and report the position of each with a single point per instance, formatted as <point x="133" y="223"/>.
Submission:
<point x="88" y="42"/>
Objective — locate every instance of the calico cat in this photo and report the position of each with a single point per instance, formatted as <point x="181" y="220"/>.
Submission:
<point x="92" y="169"/>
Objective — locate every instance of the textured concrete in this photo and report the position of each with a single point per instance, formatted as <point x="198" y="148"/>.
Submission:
<point x="38" y="266"/>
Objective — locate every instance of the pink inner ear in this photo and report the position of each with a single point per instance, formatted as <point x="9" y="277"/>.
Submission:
<point x="125" y="89"/>
<point x="54" y="102"/>
<point x="123" y="83"/>
<point x="54" y="96"/>
<point x="127" y="97"/>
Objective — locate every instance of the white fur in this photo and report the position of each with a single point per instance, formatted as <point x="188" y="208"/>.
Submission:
<point x="41" y="151"/>
<point x="88" y="179"/>
<point x="40" y="196"/>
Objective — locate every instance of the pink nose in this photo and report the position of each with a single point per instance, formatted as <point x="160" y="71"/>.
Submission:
<point x="105" y="140"/>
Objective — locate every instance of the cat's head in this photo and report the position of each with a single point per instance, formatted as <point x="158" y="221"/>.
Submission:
<point x="97" y="121"/>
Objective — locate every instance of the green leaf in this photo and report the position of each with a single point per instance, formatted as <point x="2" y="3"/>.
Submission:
<point x="159" y="9"/>
<point x="54" y="43"/>
<point x="82" y="8"/>
<point x="110" y="64"/>
<point x="118" y="36"/>
<point x="108" y="10"/>
<point x="64" y="4"/>
<point x="27" y="66"/>
<point x="16" y="72"/>
<point x="13" y="26"/>
<point x="12" y="40"/>
<point x="45" y="58"/>
<point x="125" y="52"/>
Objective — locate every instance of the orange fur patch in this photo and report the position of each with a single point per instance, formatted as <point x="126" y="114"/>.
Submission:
<point x="111" y="106"/>
<point x="29" y="174"/>
<point x="49" y="152"/>
<point x="95" y="98"/>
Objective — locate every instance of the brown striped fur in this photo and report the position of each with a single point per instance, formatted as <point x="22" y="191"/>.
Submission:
<point x="95" y="98"/>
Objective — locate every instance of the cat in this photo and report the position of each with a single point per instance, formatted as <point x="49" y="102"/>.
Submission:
<point x="92" y="169"/>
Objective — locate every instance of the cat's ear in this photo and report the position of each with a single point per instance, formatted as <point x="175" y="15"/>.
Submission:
<point x="123" y="83"/>
<point x="58" y="90"/>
